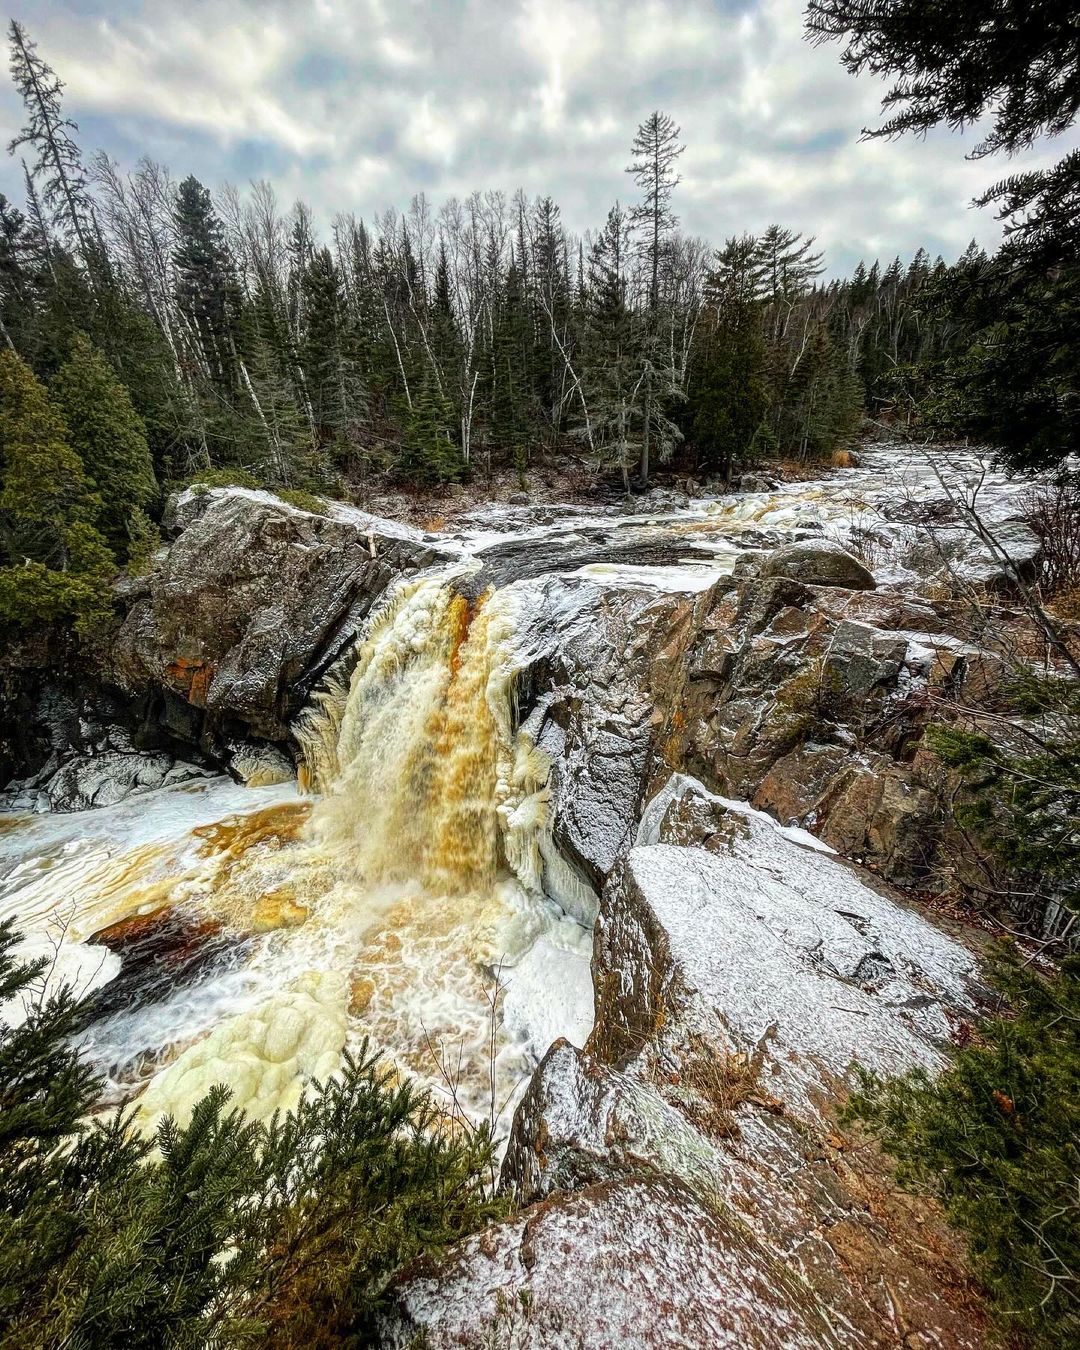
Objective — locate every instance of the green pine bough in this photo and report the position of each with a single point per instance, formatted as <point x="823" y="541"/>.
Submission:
<point x="223" y="1232"/>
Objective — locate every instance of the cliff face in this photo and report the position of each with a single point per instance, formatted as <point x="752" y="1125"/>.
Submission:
<point x="216" y="651"/>
<point x="251" y="602"/>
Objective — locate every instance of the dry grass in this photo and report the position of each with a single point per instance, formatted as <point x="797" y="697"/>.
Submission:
<point x="841" y="459"/>
<point x="721" y="1082"/>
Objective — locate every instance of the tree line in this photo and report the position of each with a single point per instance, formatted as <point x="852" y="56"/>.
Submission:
<point x="161" y="333"/>
<point x="433" y="340"/>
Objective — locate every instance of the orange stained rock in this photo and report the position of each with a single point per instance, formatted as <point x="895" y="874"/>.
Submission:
<point x="192" y="677"/>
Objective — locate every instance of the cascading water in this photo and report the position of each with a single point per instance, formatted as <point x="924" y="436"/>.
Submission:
<point x="402" y="902"/>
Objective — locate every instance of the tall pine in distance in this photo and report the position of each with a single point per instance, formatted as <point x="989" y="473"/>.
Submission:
<point x="56" y="165"/>
<point x="655" y="149"/>
<point x="480" y="335"/>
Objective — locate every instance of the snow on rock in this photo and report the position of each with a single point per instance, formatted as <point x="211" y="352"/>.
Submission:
<point x="634" y="1262"/>
<point x="819" y="562"/>
<point x="596" y="662"/>
<point x="261" y="766"/>
<point x="761" y="946"/>
<point x="582" y="1124"/>
<point x="107" y="778"/>
<point x="253" y="599"/>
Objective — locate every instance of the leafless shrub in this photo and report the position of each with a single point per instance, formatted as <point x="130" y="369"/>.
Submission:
<point x="1053" y="512"/>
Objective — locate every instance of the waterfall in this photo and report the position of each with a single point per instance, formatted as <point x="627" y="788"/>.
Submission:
<point x="409" y="902"/>
<point x="422" y="777"/>
<point x="406" y="898"/>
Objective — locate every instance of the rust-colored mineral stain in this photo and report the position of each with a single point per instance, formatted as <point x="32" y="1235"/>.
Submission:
<point x="163" y="934"/>
<point x="192" y="678"/>
<point x="273" y="827"/>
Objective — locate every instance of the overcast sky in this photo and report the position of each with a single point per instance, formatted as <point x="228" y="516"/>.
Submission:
<point x="357" y="104"/>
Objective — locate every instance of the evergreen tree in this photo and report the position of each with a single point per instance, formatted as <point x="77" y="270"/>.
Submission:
<point x="109" y="437"/>
<point x="1019" y="71"/>
<point x="16" y="276"/>
<point x="428" y="454"/>
<point x="655" y="149"/>
<point x="612" y="350"/>
<point x="55" y="563"/>
<point x="333" y="379"/>
<point x="206" y="292"/>
<point x="729" y="389"/>
<point x="57" y="163"/>
<point x="104" y="1244"/>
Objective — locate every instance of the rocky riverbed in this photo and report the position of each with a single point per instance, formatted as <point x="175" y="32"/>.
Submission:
<point x="576" y="796"/>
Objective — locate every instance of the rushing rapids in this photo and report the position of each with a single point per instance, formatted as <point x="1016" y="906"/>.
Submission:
<point x="401" y="902"/>
<point x="408" y="889"/>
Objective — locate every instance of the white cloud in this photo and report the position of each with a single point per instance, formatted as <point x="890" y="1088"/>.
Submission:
<point x="358" y="104"/>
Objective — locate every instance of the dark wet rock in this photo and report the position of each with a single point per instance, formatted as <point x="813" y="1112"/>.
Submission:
<point x="81" y="744"/>
<point x="253" y="599"/>
<point x="756" y="482"/>
<point x="158" y="952"/>
<point x="819" y="563"/>
<point x="603" y="662"/>
<point x="104" y="779"/>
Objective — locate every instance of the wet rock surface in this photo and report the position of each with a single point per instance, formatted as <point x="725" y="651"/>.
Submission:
<point x="253" y="599"/>
<point x="819" y="563"/>
<point x="600" y="662"/>
<point x="811" y="702"/>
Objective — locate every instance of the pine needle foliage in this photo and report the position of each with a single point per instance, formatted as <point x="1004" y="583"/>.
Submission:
<point x="222" y="1232"/>
<point x="997" y="1138"/>
<point x="1024" y="803"/>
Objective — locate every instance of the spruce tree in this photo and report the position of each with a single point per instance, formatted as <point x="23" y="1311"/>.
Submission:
<point x="428" y="455"/>
<point x="610" y="353"/>
<point x="1016" y="71"/>
<point x="44" y="488"/>
<point x="206" y="291"/>
<point x="109" y="437"/>
<point x="729" y="399"/>
<point x="229" y="1233"/>
<point x="56" y="564"/>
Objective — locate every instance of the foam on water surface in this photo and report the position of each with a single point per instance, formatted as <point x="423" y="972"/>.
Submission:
<point x="404" y="904"/>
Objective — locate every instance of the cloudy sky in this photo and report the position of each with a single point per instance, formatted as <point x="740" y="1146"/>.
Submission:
<point x="357" y="104"/>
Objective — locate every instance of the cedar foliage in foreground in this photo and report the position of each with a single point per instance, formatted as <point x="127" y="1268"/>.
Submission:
<point x="997" y="1138"/>
<point x="106" y="1243"/>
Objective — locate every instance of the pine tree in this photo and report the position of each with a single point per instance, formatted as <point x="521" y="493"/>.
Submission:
<point x="44" y="488"/>
<point x="103" y="1244"/>
<point x="56" y="564"/>
<point x="16" y="276"/>
<point x="729" y="398"/>
<point x="1016" y="72"/>
<point x="206" y="291"/>
<point x="428" y="454"/>
<point x="109" y="437"/>
<point x="57" y="163"/>
<point x="612" y="350"/>
<point x="655" y="149"/>
<point x="332" y="377"/>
